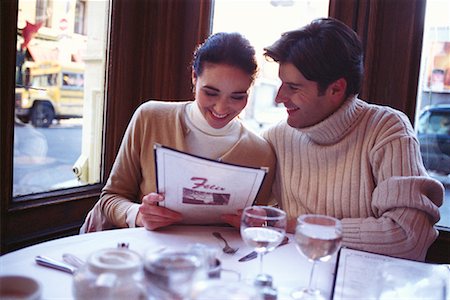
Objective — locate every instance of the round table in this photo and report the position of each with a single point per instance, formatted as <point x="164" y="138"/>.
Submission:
<point x="287" y="266"/>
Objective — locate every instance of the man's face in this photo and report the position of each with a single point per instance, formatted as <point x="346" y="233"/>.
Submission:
<point x="304" y="105"/>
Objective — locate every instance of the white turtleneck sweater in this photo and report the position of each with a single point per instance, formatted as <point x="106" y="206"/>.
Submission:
<point x="206" y="141"/>
<point x="361" y="165"/>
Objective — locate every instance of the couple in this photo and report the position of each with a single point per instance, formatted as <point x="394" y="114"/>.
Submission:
<point x="334" y="155"/>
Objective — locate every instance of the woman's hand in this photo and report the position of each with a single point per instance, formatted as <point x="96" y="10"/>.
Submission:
<point x="152" y="216"/>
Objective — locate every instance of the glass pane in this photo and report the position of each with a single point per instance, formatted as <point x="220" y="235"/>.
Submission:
<point x="433" y="110"/>
<point x="60" y="75"/>
<point x="263" y="26"/>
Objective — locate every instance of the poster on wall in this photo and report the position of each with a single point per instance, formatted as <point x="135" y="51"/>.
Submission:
<point x="438" y="70"/>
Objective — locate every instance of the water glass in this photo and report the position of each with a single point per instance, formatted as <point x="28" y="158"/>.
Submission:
<point x="263" y="228"/>
<point x="317" y="237"/>
<point x="171" y="274"/>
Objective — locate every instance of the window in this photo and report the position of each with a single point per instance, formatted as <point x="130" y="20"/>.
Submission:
<point x="135" y="74"/>
<point x="43" y="9"/>
<point x="433" y="99"/>
<point x="73" y="81"/>
<point x="268" y="20"/>
<point x="55" y="123"/>
<point x="80" y="16"/>
<point x="61" y="100"/>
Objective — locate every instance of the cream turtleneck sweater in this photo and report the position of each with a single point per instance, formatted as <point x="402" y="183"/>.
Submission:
<point x="206" y="141"/>
<point x="362" y="165"/>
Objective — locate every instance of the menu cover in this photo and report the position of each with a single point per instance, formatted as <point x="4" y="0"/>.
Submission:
<point x="365" y="275"/>
<point x="203" y="189"/>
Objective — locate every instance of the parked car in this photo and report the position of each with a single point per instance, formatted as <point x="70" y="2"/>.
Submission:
<point x="433" y="132"/>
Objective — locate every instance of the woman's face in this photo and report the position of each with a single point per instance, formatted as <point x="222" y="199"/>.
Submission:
<point x="221" y="93"/>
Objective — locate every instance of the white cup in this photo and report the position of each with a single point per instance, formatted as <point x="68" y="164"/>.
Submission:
<point x="113" y="273"/>
<point x="19" y="287"/>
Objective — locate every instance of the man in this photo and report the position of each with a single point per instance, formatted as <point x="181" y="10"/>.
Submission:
<point x="340" y="156"/>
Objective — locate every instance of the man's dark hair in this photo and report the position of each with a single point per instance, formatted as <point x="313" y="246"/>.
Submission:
<point x="323" y="51"/>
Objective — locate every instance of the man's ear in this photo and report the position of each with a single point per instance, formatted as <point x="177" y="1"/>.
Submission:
<point x="338" y="88"/>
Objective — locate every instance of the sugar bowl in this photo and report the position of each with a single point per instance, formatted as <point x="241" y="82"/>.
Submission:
<point x="115" y="273"/>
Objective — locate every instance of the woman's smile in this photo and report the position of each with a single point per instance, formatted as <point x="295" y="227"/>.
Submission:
<point x="221" y="93"/>
<point x="218" y="116"/>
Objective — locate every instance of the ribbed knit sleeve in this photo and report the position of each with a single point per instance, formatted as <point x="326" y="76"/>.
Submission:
<point x="133" y="172"/>
<point x="122" y="186"/>
<point x="363" y="166"/>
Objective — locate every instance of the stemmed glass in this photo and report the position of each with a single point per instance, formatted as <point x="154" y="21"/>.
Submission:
<point x="263" y="228"/>
<point x="317" y="237"/>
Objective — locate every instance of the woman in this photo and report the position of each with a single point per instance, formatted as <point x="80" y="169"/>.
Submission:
<point x="223" y="69"/>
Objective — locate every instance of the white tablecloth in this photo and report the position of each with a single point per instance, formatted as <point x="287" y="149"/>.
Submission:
<point x="287" y="266"/>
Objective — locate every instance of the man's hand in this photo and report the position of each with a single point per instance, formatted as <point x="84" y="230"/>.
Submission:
<point x="233" y="219"/>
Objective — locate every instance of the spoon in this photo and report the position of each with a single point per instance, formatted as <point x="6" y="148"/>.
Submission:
<point x="227" y="249"/>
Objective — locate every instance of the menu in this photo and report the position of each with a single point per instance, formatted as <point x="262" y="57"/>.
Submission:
<point x="203" y="189"/>
<point x="364" y="275"/>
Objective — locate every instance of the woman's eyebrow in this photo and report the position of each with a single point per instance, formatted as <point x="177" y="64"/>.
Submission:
<point x="217" y="90"/>
<point x="239" y="93"/>
<point x="210" y="88"/>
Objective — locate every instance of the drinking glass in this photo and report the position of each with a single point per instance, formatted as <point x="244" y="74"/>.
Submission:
<point x="172" y="274"/>
<point x="263" y="228"/>
<point x="317" y="237"/>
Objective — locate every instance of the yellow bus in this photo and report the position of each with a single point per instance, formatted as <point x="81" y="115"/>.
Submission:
<point x="51" y="90"/>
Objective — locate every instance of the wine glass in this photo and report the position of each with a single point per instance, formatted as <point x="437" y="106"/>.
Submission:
<point x="263" y="228"/>
<point x="317" y="237"/>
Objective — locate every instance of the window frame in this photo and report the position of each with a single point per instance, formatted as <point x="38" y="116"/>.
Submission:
<point x="148" y="75"/>
<point x="80" y="14"/>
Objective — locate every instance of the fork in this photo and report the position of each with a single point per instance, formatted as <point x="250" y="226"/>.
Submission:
<point x="227" y="249"/>
<point x="73" y="260"/>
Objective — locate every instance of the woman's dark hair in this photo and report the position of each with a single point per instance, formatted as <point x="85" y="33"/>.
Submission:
<point x="323" y="51"/>
<point x="226" y="48"/>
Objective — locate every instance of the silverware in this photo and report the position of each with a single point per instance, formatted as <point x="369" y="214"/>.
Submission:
<point x="226" y="249"/>
<point x="73" y="260"/>
<point x="54" y="264"/>
<point x="253" y="254"/>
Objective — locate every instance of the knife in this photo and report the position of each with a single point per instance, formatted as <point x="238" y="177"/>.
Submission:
<point x="253" y="254"/>
<point x="54" y="264"/>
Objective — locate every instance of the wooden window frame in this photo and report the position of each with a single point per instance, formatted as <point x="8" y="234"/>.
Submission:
<point x="151" y="45"/>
